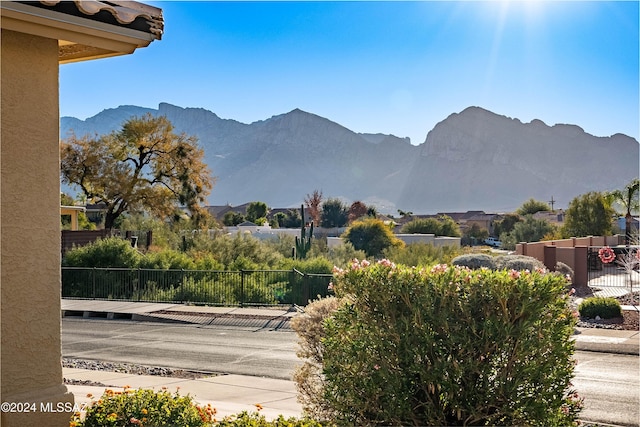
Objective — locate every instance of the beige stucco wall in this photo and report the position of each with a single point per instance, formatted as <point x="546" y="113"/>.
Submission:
<point x="30" y="229"/>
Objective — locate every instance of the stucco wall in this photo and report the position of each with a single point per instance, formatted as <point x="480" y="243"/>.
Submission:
<point x="30" y="228"/>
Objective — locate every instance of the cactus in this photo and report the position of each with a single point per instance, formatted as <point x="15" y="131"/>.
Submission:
<point x="303" y="243"/>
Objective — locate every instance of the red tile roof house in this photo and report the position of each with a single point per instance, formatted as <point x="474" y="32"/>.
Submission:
<point x="37" y="37"/>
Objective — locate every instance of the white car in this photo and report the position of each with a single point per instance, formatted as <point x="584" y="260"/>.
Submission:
<point x="492" y="241"/>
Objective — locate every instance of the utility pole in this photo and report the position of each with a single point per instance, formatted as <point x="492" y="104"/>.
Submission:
<point x="552" y="202"/>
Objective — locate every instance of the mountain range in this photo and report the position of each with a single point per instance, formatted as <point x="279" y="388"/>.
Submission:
<point x="471" y="160"/>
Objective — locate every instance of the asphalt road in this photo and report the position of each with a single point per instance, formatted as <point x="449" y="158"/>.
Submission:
<point x="607" y="382"/>
<point x="232" y="350"/>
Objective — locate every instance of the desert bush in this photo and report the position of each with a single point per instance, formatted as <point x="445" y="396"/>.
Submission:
<point x="442" y="226"/>
<point x="605" y="307"/>
<point x="167" y="260"/>
<point x="448" y="346"/>
<point x="308" y="377"/>
<point x="254" y="253"/>
<point x="145" y="408"/>
<point x="109" y="252"/>
<point x="416" y="254"/>
<point x="218" y="290"/>
<point x="564" y="270"/>
<point x="372" y="236"/>
<point x="518" y="263"/>
<point x="339" y="255"/>
<point x="475" y="261"/>
<point x="316" y="265"/>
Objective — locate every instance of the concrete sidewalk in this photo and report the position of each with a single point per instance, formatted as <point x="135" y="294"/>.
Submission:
<point x="266" y="317"/>
<point x="229" y="394"/>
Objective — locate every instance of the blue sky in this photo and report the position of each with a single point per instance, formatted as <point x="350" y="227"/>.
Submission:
<point x="388" y="67"/>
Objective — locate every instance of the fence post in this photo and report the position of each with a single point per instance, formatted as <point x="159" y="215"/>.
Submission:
<point x="93" y="281"/>
<point x="241" y="288"/>
<point x="550" y="257"/>
<point x="580" y="272"/>
<point x="305" y="289"/>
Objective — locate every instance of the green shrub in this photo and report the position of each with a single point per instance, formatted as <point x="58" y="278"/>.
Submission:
<point x="340" y="254"/>
<point x="442" y="226"/>
<point x="146" y="408"/>
<point x="518" y="263"/>
<point x="110" y="252"/>
<point x="416" y="254"/>
<point x="449" y="346"/>
<point x="167" y="260"/>
<point x="316" y="265"/>
<point x="371" y="236"/>
<point x="475" y="261"/>
<point x="254" y="253"/>
<point x="605" y="307"/>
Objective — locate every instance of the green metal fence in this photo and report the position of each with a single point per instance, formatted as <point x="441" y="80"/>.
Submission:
<point x="223" y="288"/>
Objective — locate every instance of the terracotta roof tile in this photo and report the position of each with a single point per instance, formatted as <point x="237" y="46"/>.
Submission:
<point x="125" y="13"/>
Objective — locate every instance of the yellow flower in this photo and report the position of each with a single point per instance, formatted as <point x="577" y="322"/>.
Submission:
<point x="258" y="406"/>
<point x="144" y="411"/>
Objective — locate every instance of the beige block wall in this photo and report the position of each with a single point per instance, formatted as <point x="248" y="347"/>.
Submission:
<point x="31" y="368"/>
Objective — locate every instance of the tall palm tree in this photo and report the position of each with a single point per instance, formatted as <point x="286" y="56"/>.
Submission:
<point x="628" y="198"/>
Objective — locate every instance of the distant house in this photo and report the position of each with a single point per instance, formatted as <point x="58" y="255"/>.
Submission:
<point x="554" y="217"/>
<point x="73" y="212"/>
<point x="218" y="212"/>
<point x="482" y="220"/>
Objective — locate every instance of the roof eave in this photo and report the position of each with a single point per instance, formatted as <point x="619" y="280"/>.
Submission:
<point x="79" y="38"/>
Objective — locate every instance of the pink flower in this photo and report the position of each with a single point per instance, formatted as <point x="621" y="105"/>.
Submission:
<point x="386" y="263"/>
<point x="337" y="270"/>
<point x="514" y="274"/>
<point x="365" y="263"/>
<point x="572" y="291"/>
<point x="439" y="268"/>
<point x="376" y="367"/>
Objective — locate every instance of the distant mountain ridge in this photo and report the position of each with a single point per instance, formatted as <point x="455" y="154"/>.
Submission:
<point x="474" y="159"/>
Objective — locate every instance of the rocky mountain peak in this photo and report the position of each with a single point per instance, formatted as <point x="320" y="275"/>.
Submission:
<point x="474" y="159"/>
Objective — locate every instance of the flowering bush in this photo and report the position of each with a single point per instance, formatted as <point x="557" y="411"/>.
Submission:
<point x="606" y="255"/>
<point x="144" y="408"/>
<point x="245" y="419"/>
<point x="449" y="346"/>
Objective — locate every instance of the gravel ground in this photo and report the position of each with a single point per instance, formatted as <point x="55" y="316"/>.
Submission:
<point x="629" y="321"/>
<point x="126" y="368"/>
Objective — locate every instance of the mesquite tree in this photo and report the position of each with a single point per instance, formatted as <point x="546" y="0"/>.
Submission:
<point x="143" y="167"/>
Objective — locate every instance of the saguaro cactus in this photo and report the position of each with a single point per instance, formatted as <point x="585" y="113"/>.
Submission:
<point x="303" y="243"/>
